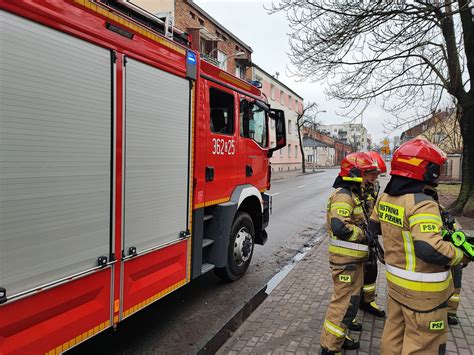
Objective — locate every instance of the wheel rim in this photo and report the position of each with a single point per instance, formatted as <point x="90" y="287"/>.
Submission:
<point x="243" y="245"/>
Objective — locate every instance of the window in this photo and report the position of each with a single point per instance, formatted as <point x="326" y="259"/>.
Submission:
<point x="289" y="150"/>
<point x="296" y="151"/>
<point x="289" y="126"/>
<point x="222" y="58"/>
<point x="201" y="22"/>
<point x="253" y="122"/>
<point x="192" y="15"/>
<point x="289" y="102"/>
<point x="239" y="71"/>
<point x="296" y="126"/>
<point x="222" y="112"/>
<point x="282" y="97"/>
<point x="272" y="92"/>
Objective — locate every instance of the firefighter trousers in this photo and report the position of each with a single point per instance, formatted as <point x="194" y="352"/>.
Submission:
<point x="370" y="277"/>
<point x="408" y="332"/>
<point x="343" y="306"/>
<point x="453" y="302"/>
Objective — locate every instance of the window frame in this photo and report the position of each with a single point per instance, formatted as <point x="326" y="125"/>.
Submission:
<point x="227" y="92"/>
<point x="241" y="133"/>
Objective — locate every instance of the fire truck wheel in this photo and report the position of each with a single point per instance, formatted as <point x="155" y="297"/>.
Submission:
<point x="240" y="251"/>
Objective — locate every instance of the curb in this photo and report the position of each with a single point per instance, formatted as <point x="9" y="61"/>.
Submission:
<point x="216" y="342"/>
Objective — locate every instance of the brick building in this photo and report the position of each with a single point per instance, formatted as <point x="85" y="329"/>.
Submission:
<point x="215" y="43"/>
<point x="328" y="150"/>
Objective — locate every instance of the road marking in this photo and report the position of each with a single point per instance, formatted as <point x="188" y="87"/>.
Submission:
<point x="299" y="187"/>
<point x="276" y="193"/>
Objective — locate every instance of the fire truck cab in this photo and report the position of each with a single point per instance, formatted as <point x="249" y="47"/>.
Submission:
<point x="129" y="167"/>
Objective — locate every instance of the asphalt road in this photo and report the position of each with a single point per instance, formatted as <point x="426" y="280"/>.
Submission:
<point x="183" y="322"/>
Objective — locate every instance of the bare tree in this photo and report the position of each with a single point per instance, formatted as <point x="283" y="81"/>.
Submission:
<point x="411" y="56"/>
<point x="306" y="118"/>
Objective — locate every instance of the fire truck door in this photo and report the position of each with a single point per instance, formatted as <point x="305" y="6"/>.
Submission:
<point x="221" y="161"/>
<point x="254" y="140"/>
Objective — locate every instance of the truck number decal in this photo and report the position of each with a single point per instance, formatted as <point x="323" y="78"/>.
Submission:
<point x="222" y="147"/>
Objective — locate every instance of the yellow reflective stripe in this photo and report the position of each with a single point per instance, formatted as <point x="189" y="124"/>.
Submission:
<point x="354" y="235"/>
<point x="424" y="217"/>
<point x="334" y="329"/>
<point x="347" y="252"/>
<point x="419" y="285"/>
<point x="409" y="251"/>
<point x="358" y="210"/>
<point x="457" y="257"/>
<point x="337" y="205"/>
<point x="455" y="297"/>
<point x="369" y="288"/>
<point x="356" y="179"/>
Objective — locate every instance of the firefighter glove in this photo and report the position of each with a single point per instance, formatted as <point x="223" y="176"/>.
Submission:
<point x="463" y="242"/>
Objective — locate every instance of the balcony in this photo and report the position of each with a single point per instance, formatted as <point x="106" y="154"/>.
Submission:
<point x="209" y="59"/>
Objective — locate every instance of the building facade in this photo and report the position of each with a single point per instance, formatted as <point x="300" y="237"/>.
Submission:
<point x="353" y="134"/>
<point x="442" y="129"/>
<point x="215" y="43"/>
<point x="282" y="97"/>
<point x="323" y="150"/>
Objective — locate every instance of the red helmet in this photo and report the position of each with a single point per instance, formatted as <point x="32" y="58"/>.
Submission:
<point x="379" y="160"/>
<point x="418" y="159"/>
<point x="355" y="165"/>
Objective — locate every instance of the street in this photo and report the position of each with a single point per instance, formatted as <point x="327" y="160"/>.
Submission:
<point x="183" y="322"/>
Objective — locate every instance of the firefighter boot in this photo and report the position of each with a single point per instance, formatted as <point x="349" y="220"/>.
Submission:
<point x="453" y="319"/>
<point x="325" y="351"/>
<point x="350" y="344"/>
<point x="373" y="308"/>
<point x="355" y="326"/>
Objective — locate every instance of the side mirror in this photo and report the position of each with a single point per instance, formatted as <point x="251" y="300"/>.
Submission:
<point x="280" y="130"/>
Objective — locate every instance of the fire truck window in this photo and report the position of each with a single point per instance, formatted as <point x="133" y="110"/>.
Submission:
<point x="222" y="112"/>
<point x="253" y="122"/>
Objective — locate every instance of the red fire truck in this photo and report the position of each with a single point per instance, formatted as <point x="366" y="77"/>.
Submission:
<point x="128" y="167"/>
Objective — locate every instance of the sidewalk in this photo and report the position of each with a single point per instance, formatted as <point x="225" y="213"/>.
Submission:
<point x="290" y="320"/>
<point x="280" y="175"/>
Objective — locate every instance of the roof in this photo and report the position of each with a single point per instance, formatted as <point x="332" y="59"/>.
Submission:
<point x="278" y="81"/>
<point x="229" y="33"/>
<point x="311" y="142"/>
<point x="430" y="122"/>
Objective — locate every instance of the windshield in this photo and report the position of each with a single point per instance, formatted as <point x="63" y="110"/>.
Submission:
<point x="253" y="122"/>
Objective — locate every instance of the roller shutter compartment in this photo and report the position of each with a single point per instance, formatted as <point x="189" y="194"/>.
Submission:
<point x="55" y="154"/>
<point x="156" y="156"/>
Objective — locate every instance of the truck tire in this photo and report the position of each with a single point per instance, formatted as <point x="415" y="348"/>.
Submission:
<point x="240" y="251"/>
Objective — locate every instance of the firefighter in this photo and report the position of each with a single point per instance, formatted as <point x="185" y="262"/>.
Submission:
<point x="347" y="253"/>
<point x="416" y="256"/>
<point x="369" y="195"/>
<point x="449" y="225"/>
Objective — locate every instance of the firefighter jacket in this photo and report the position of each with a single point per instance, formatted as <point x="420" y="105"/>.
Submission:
<point x="346" y="223"/>
<point x="417" y="259"/>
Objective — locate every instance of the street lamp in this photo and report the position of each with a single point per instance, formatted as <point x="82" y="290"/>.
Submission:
<point x="237" y="54"/>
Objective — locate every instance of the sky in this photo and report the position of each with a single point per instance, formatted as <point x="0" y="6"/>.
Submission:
<point x="267" y="35"/>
